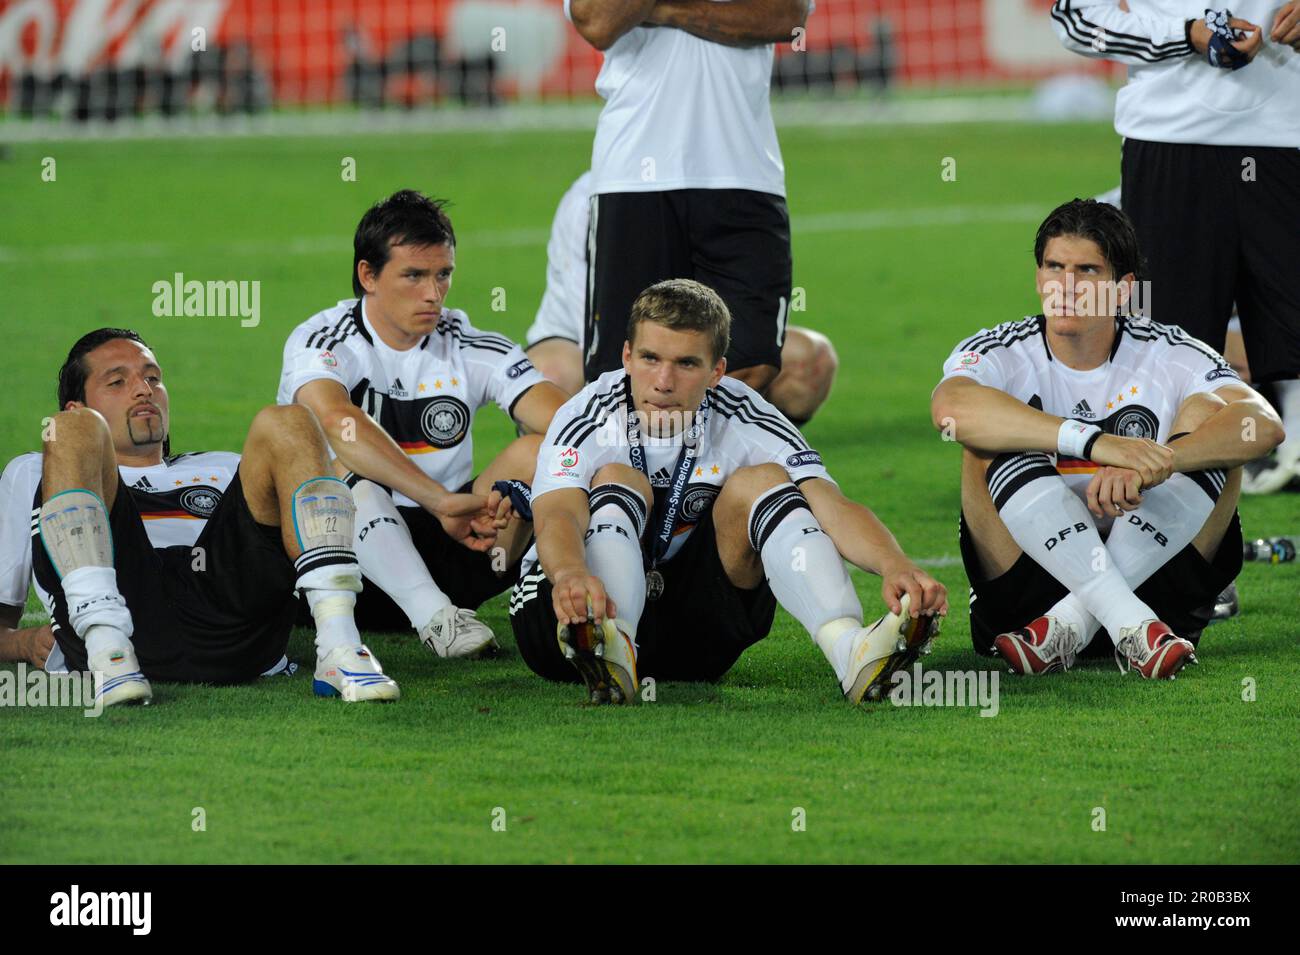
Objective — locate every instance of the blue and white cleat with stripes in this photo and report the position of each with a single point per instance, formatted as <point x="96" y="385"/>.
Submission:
<point x="118" y="678"/>
<point x="354" y="674"/>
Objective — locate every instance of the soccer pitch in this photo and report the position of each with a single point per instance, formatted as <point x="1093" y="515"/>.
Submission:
<point x="897" y="263"/>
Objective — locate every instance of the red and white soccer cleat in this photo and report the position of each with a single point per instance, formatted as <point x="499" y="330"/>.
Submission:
<point x="1043" y="646"/>
<point x="1155" y="651"/>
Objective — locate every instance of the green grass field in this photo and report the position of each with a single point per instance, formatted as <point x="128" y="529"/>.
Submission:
<point x="897" y="265"/>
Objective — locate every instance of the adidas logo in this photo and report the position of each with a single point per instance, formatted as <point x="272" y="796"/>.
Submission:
<point x="143" y="485"/>
<point x="398" y="390"/>
<point x="1081" y="410"/>
<point x="661" y="478"/>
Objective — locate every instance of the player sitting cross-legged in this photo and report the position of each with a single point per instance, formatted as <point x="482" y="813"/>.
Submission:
<point x="395" y="379"/>
<point x="182" y="567"/>
<point x="674" y="507"/>
<point x="1101" y="463"/>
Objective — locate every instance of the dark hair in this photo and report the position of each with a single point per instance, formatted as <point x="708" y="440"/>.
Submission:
<point x="684" y="305"/>
<point x="73" y="374"/>
<point x="406" y="217"/>
<point x="1101" y="222"/>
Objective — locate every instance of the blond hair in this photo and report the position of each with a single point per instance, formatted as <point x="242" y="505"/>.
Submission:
<point x="684" y="305"/>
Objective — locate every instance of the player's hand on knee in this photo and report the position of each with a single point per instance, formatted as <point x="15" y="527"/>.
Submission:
<point x="578" y="596"/>
<point x="1113" y="491"/>
<point x="1152" y="462"/>
<point x="40" y="644"/>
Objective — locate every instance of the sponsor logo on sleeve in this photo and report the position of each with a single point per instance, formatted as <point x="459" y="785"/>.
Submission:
<point x="968" y="359"/>
<point x="1215" y="373"/>
<point x="327" y="359"/>
<point x="804" y="459"/>
<point x="518" y="368"/>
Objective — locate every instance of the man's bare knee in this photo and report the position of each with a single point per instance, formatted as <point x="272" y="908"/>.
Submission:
<point x="626" y="475"/>
<point x="745" y="484"/>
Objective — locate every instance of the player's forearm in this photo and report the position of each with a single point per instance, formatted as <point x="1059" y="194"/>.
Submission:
<point x="1101" y="29"/>
<point x="559" y="531"/>
<point x="368" y="451"/>
<point x="992" y="421"/>
<point x="1241" y="431"/>
<point x="861" y="538"/>
<point x="602" y="22"/>
<point x="738" y="23"/>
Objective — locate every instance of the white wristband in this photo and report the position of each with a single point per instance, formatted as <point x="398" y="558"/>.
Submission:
<point x="1072" y="440"/>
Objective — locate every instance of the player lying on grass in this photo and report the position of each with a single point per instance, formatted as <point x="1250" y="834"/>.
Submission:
<point x="1101" y="463"/>
<point x="668" y="467"/>
<point x="395" y="379"/>
<point x="182" y="567"/>
<point x="808" y="359"/>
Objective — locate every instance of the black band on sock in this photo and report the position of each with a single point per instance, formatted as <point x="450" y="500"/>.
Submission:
<point x="771" y="509"/>
<point x="625" y="499"/>
<point x="316" y="557"/>
<point x="1211" y="481"/>
<point x="1009" y="472"/>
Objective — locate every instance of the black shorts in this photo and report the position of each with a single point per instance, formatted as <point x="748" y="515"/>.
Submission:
<point x="221" y="614"/>
<point x="467" y="577"/>
<point x="1211" y="238"/>
<point x="1187" y="584"/>
<point x="736" y="241"/>
<point x="694" y="632"/>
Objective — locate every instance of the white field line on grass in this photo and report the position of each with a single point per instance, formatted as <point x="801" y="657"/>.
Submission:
<point x="788" y="112"/>
<point x="860" y="220"/>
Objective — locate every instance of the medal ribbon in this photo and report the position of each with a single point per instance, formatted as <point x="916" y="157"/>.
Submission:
<point x="672" y="507"/>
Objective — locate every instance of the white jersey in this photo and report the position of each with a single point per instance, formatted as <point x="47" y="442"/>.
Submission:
<point x="685" y="113"/>
<point x="1136" y="393"/>
<point x="561" y="313"/>
<point x="175" y="499"/>
<point x="742" y="429"/>
<point x="1173" y="95"/>
<point x="425" y="397"/>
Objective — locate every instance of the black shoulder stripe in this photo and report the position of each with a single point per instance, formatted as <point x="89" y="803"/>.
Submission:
<point x="318" y="337"/>
<point x="1023" y="336"/>
<point x="777" y="420"/>
<point x="747" y="413"/>
<point x="335" y="342"/>
<point x="1166" y="335"/>
<point x="594" y="415"/>
<point x="1001" y="333"/>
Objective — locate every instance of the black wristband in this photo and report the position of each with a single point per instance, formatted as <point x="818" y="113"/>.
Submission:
<point x="1087" y="447"/>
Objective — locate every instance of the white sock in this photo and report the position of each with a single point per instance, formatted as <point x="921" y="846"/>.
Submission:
<point x="335" y="624"/>
<point x="836" y="642"/>
<point x="1053" y="526"/>
<point x="388" y="556"/>
<point x="618" y="518"/>
<point x="1144" y="540"/>
<point x="800" y="561"/>
<point x="96" y="609"/>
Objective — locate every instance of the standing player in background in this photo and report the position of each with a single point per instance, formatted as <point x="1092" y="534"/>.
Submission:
<point x="182" y="567"/>
<point x="686" y="169"/>
<point x="1210" y="117"/>
<point x="1148" y="426"/>
<point x="554" y="341"/>
<point x="675" y="507"/>
<point x="395" y="379"/>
